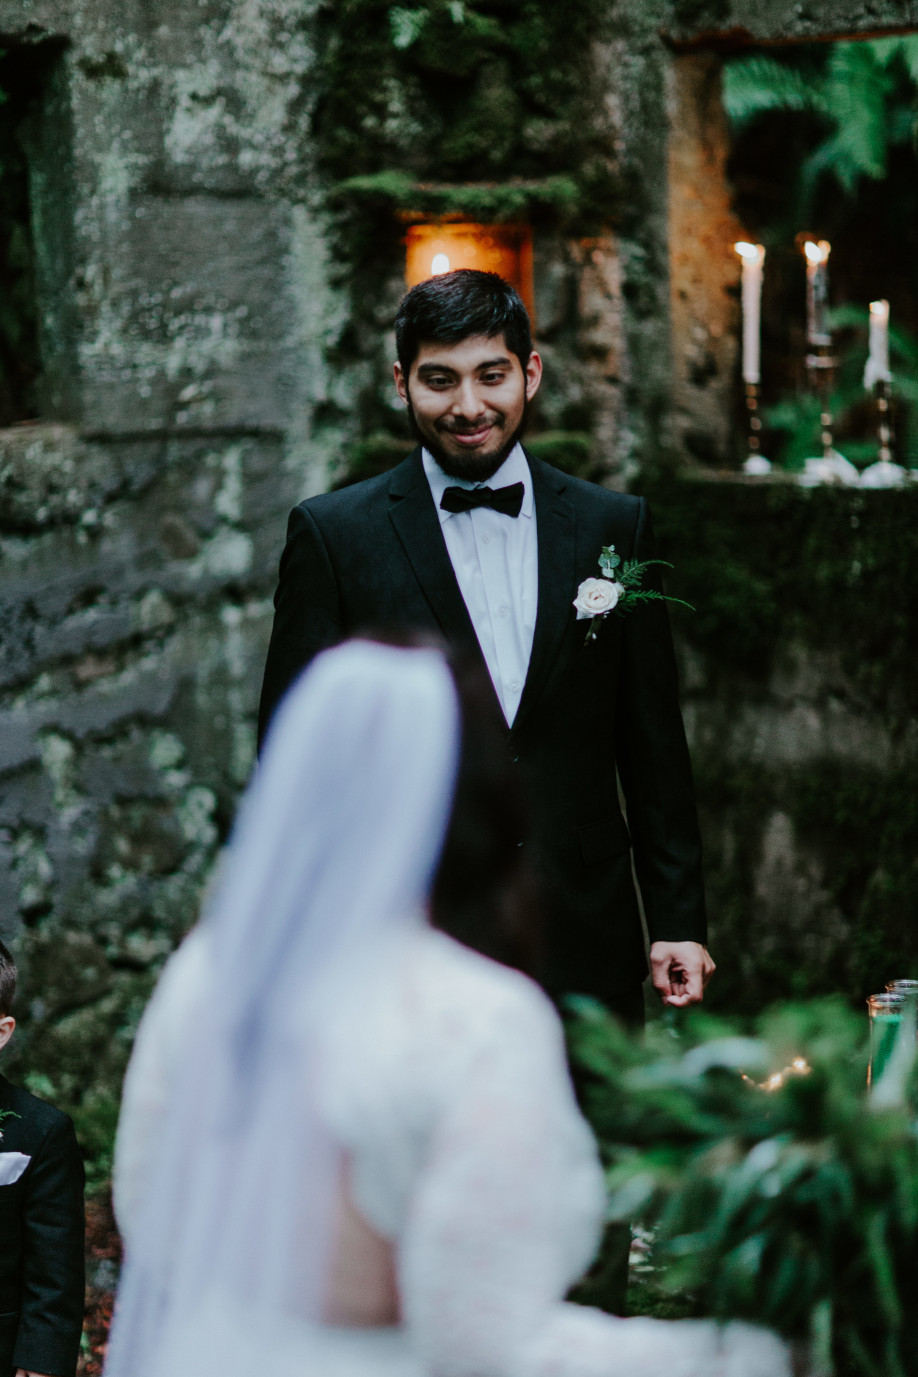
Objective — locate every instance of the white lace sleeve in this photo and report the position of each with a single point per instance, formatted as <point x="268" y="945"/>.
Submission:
<point x="504" y="1219"/>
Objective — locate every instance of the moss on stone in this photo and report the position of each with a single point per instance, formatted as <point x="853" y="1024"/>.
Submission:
<point x="486" y="109"/>
<point x="768" y="564"/>
<point x="801" y="696"/>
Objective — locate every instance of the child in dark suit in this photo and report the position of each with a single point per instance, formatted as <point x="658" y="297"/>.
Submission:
<point x="41" y="1224"/>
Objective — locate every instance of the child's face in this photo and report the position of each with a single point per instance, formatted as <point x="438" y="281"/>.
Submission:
<point x="7" y="1024"/>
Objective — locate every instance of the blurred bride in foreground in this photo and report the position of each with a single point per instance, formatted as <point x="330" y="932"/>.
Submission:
<point x="349" y="1145"/>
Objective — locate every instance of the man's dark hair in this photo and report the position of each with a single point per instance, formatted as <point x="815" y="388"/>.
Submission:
<point x="455" y="306"/>
<point x="7" y="981"/>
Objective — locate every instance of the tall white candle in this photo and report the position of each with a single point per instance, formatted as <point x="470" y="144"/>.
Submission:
<point x="877" y="369"/>
<point x="753" y="258"/>
<point x="817" y="292"/>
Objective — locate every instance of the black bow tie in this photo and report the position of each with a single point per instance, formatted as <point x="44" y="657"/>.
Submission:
<point x="507" y="500"/>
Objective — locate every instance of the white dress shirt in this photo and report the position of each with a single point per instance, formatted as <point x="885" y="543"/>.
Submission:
<point x="496" y="562"/>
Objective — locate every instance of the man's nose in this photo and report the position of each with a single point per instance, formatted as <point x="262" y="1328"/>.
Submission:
<point x="467" y="400"/>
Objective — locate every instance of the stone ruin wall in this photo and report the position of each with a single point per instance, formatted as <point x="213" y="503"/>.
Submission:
<point x="189" y="321"/>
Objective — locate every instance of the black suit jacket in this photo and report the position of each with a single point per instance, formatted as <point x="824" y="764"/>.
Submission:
<point x="41" y="1240"/>
<point x="374" y="555"/>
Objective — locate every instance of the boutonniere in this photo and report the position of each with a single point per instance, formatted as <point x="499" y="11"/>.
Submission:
<point x="4" y="1115"/>
<point x="618" y="590"/>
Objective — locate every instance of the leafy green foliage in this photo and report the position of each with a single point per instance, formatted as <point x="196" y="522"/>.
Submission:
<point x="795" y="1207"/>
<point x="863" y="94"/>
<point x="475" y="107"/>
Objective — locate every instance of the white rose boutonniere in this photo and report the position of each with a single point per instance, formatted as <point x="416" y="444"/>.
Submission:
<point x="618" y="590"/>
<point x="596" y="597"/>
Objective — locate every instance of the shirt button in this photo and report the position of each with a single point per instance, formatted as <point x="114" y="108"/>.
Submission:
<point x="514" y="686"/>
<point x="486" y="540"/>
<point x="503" y="609"/>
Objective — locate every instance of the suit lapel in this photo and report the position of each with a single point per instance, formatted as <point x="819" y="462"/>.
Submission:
<point x="417" y="526"/>
<point x="556" y="526"/>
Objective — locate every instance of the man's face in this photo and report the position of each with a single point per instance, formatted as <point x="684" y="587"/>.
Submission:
<point x="468" y="402"/>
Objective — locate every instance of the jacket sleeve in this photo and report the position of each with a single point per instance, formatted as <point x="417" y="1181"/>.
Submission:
<point x="307" y="613"/>
<point x="51" y="1318"/>
<point x="654" y="766"/>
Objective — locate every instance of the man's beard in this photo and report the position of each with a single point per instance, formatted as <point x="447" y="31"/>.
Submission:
<point x="472" y="468"/>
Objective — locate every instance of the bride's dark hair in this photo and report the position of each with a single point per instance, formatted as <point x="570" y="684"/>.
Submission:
<point x="484" y="893"/>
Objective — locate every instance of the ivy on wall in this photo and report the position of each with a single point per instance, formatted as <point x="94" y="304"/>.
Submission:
<point x="487" y="108"/>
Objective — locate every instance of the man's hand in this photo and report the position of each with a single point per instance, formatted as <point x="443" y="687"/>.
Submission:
<point x="680" y="971"/>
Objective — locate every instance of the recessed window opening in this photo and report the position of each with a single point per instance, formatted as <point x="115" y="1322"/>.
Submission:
<point x="22" y="77"/>
<point x="824" y="147"/>
<point x="442" y="246"/>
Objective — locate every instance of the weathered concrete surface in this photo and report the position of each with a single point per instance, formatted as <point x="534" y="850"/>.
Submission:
<point x="186" y="316"/>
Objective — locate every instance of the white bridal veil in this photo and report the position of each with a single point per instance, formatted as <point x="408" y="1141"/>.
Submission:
<point x="333" y="850"/>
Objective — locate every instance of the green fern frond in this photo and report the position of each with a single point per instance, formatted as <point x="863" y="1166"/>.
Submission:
<point x="887" y="50"/>
<point x="754" y="85"/>
<point x="857" y="88"/>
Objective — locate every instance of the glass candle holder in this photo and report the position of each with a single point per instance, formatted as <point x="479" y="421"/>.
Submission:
<point x="885" y="1012"/>
<point x="907" y="988"/>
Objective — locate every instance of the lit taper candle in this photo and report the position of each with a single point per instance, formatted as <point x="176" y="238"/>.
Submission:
<point x="877" y="369"/>
<point x="753" y="259"/>
<point x="817" y="293"/>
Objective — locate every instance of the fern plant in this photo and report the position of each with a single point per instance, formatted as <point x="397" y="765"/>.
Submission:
<point x="864" y="94"/>
<point x="778" y="1190"/>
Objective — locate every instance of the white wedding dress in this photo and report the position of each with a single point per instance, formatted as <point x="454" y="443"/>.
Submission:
<point x="445" y="1081"/>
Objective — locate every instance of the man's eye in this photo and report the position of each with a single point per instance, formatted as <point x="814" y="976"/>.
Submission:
<point x="436" y="380"/>
<point x="492" y="377"/>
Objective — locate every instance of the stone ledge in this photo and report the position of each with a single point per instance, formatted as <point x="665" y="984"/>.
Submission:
<point x="53" y="474"/>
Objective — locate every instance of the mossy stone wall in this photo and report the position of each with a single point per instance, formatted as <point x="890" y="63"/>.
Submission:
<point x="800" y="688"/>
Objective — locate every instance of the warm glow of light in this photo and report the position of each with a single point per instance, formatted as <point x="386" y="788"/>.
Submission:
<point x="817" y="253"/>
<point x="441" y="246"/>
<point x="750" y="251"/>
<point x="880" y="309"/>
<point x="798" y="1067"/>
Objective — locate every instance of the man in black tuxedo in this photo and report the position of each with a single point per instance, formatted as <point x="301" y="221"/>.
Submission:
<point x="494" y="567"/>
<point x="41" y="1225"/>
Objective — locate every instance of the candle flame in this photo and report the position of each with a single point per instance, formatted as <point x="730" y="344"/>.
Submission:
<point x="817" y="253"/>
<point x="750" y="252"/>
<point x="440" y="264"/>
<point x="880" y="309"/>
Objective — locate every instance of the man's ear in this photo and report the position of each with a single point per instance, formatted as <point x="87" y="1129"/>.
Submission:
<point x="7" y="1024"/>
<point x="533" y="375"/>
<point x="401" y="382"/>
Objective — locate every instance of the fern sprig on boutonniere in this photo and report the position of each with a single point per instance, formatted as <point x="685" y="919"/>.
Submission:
<point x="618" y="590"/>
<point x="4" y="1115"/>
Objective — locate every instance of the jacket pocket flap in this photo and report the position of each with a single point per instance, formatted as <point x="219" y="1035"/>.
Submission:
<point x="603" y="839"/>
